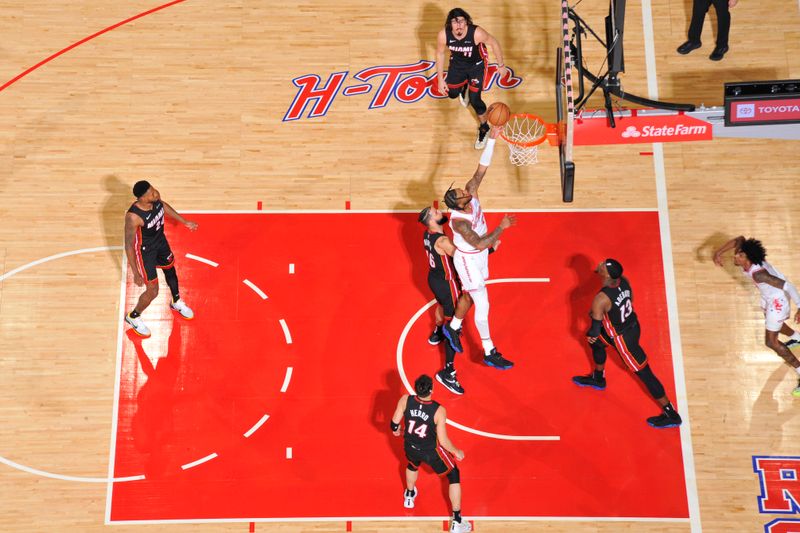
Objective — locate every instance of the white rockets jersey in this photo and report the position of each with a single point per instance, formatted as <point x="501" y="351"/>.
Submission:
<point x="476" y="219"/>
<point x="768" y="292"/>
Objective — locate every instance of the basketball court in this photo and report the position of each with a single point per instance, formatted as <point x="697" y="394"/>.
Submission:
<point x="304" y="140"/>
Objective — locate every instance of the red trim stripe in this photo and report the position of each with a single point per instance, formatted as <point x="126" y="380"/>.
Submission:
<point x="619" y="344"/>
<point x="445" y="455"/>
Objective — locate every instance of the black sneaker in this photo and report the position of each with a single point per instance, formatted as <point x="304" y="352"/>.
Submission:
<point x="436" y="337"/>
<point x="590" y="381"/>
<point x="718" y="53"/>
<point x="496" y="360"/>
<point x="453" y="336"/>
<point x="791" y="343"/>
<point x="449" y="381"/>
<point x="665" y="421"/>
<point x="688" y="46"/>
<point x="480" y="142"/>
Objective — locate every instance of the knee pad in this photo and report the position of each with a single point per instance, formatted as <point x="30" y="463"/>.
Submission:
<point x="651" y="382"/>
<point x="477" y="102"/>
<point x="598" y="352"/>
<point x="454" y="476"/>
<point x="412" y="467"/>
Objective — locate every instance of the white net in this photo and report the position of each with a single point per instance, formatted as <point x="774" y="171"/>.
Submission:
<point x="520" y="132"/>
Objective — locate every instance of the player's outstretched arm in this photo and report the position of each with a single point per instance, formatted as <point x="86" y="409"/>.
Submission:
<point x="440" y="419"/>
<point x="441" y="46"/>
<point x="730" y="245"/>
<point x="600" y="306"/>
<point x="397" y="417"/>
<point x="174" y="214"/>
<point x="464" y="228"/>
<point x="132" y="223"/>
<point x="486" y="159"/>
<point x="483" y="36"/>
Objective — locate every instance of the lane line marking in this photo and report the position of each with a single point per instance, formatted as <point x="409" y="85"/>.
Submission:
<point x="203" y="260"/>
<point x="256" y="426"/>
<point x="199" y="461"/>
<point x="287" y="379"/>
<point x="255" y="289"/>
<point x="286" y="332"/>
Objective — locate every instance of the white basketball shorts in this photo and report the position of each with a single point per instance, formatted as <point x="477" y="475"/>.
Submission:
<point x="472" y="268"/>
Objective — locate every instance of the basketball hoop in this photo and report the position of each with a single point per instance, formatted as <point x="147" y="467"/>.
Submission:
<point x="524" y="133"/>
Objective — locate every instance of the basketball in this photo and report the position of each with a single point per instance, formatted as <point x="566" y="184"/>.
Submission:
<point x="498" y="114"/>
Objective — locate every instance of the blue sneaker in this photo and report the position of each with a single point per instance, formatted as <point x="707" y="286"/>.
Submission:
<point x="453" y="336"/>
<point x="665" y="421"/>
<point x="590" y="381"/>
<point x="495" y="359"/>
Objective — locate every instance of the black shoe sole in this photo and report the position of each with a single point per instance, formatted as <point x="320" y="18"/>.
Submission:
<point x="499" y="367"/>
<point x="595" y="387"/>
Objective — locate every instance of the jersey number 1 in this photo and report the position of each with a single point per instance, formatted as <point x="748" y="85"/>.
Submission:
<point x="420" y="431"/>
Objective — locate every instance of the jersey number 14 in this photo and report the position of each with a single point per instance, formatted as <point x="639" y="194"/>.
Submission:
<point x="421" y="431"/>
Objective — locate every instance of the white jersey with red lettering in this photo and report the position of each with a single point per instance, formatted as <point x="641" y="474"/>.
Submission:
<point x="471" y="264"/>
<point x="476" y="220"/>
<point x="774" y="301"/>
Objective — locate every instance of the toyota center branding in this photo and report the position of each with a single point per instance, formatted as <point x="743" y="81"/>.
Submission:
<point x="642" y="129"/>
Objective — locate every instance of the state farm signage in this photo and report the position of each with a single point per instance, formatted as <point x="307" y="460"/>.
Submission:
<point x="642" y="129"/>
<point x="785" y="110"/>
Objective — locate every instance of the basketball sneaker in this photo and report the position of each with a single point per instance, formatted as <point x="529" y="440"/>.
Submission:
<point x="483" y="130"/>
<point x="463" y="96"/>
<point x="449" y="381"/>
<point x="460" y="527"/>
<point x="791" y="343"/>
<point x="138" y="325"/>
<point x="796" y="391"/>
<point x="453" y="336"/>
<point x="665" y="421"/>
<point x="437" y="336"/>
<point x="409" y="497"/>
<point x="183" y="309"/>
<point x="496" y="360"/>
<point x="590" y="381"/>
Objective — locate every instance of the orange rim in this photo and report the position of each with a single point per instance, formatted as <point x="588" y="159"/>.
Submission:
<point x="549" y="129"/>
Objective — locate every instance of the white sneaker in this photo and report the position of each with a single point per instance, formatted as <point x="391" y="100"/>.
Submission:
<point x="138" y="325"/>
<point x="183" y="309"/>
<point x="408" y="501"/>
<point x="463" y="97"/>
<point x="460" y="527"/>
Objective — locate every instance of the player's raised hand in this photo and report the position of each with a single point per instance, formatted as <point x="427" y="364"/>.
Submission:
<point x="495" y="132"/>
<point x="508" y="221"/>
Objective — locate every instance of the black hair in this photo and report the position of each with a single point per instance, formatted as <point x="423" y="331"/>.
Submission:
<point x="140" y="187"/>
<point x="754" y="250"/>
<point x="423" y="216"/>
<point x="451" y="198"/>
<point x="423" y="386"/>
<point x="454" y="14"/>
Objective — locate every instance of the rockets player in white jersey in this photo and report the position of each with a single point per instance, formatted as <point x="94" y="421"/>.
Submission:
<point x="776" y="290"/>
<point x="471" y="258"/>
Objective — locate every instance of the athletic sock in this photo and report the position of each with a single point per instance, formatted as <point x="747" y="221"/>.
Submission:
<point x="455" y="323"/>
<point x="796" y="369"/>
<point x="795" y="336"/>
<point x="670" y="410"/>
<point x="457" y="516"/>
<point x="134" y="314"/>
<point x="488" y="346"/>
<point x="598" y="374"/>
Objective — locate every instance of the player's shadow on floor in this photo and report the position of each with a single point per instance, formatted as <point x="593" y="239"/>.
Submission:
<point x="766" y="414"/>
<point x="704" y="253"/>
<point x="384" y="402"/>
<point x="119" y="198"/>
<point x="579" y="300"/>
